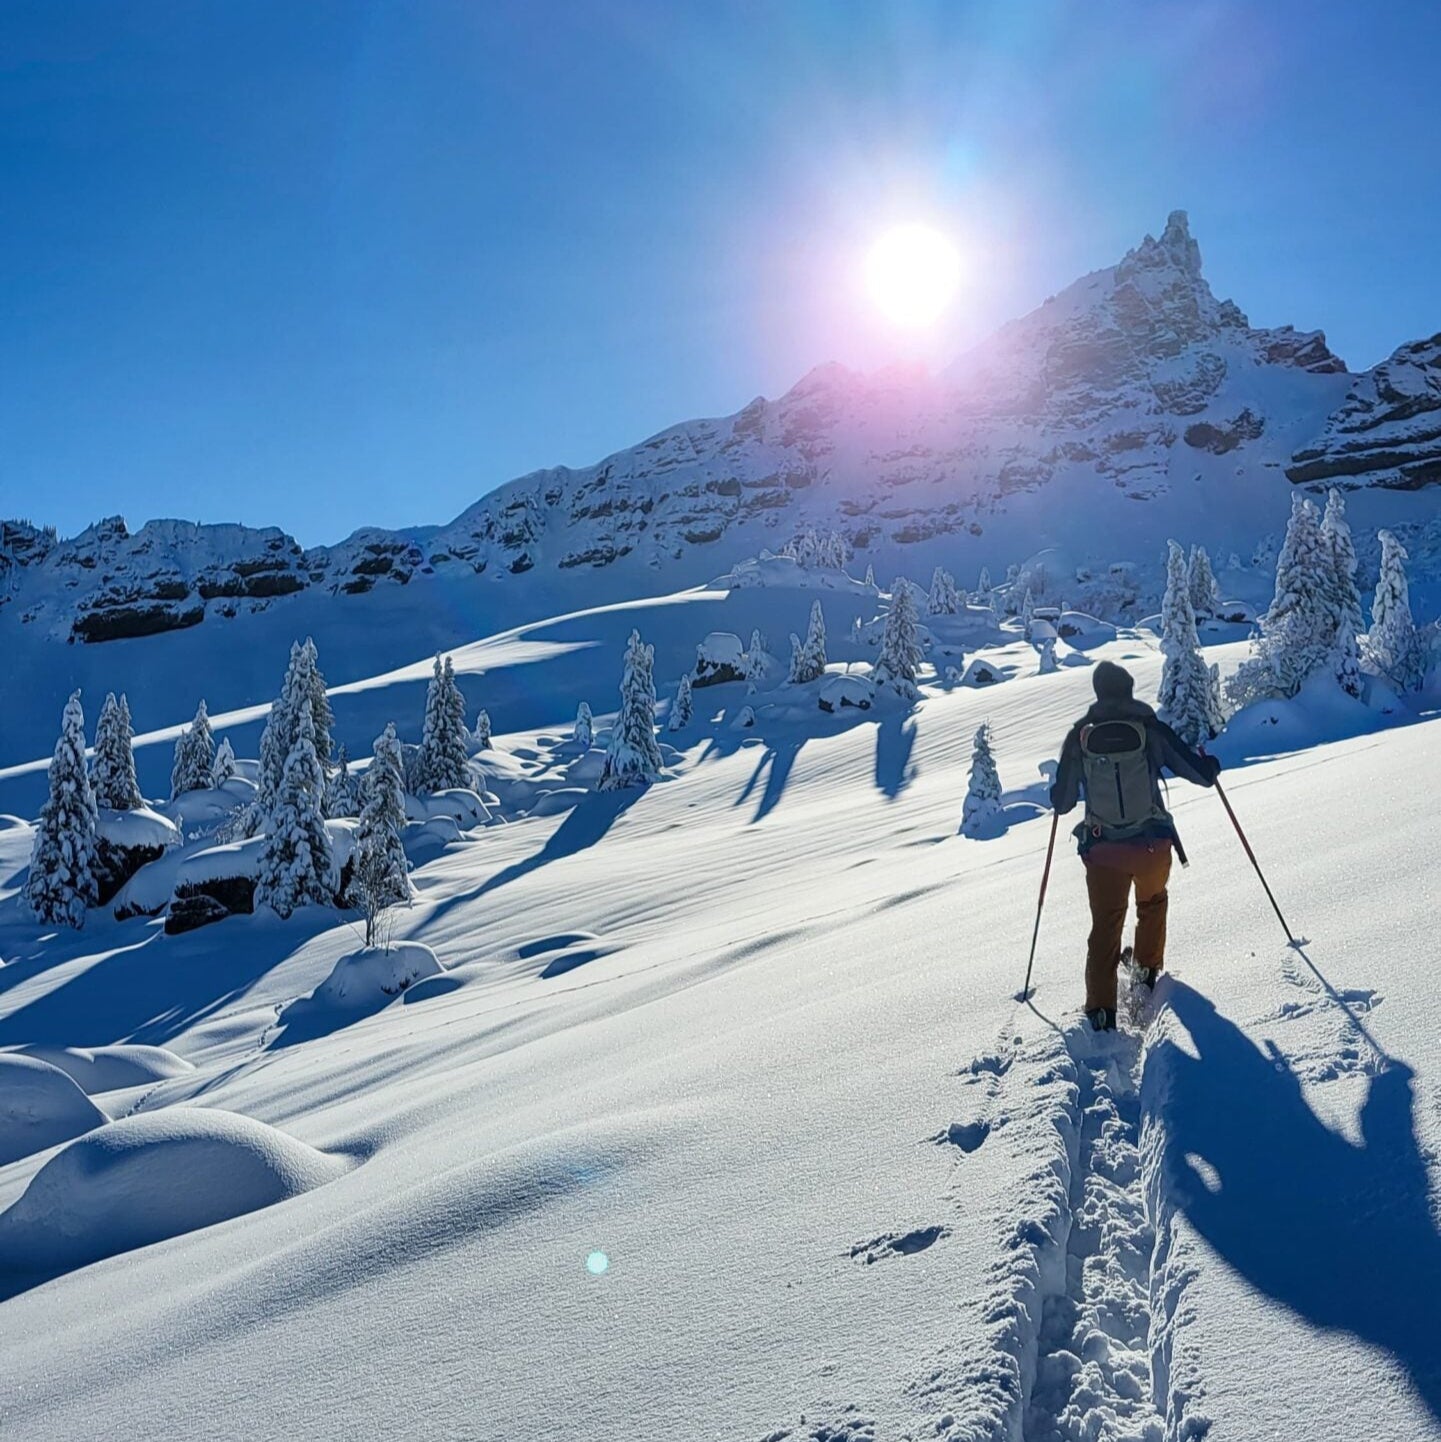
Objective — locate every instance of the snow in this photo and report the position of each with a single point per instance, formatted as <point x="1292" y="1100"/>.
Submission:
<point x="112" y="1068"/>
<point x="752" y="1036"/>
<point x="139" y="828"/>
<point x="40" y="1106"/>
<point x="147" y="1178"/>
<point x="841" y="690"/>
<point x="360" y="978"/>
<point x="459" y="804"/>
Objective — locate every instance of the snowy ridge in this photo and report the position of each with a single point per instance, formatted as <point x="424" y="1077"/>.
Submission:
<point x="1135" y="384"/>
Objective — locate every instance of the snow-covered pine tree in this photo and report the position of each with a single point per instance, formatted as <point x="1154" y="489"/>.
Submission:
<point x="62" y="859"/>
<point x="342" y="790"/>
<point x="983" y="586"/>
<point x="1189" y="698"/>
<point x="943" y="600"/>
<point x="900" y="655"/>
<point x="1297" y="630"/>
<point x="224" y="766"/>
<point x="1393" y="647"/>
<point x="1048" y="655"/>
<point x="194" y="756"/>
<point x="442" y="762"/>
<point x="870" y="576"/>
<point x="320" y="714"/>
<point x="1205" y="594"/>
<point x="682" y="708"/>
<point x="584" y="731"/>
<point x="112" y="773"/>
<point x="808" y="657"/>
<point x="633" y="758"/>
<point x="295" y="861"/>
<point x="1028" y="613"/>
<point x="1342" y="595"/>
<point x="281" y="727"/>
<point x="983" y="791"/>
<point x="758" y="661"/>
<point x="381" y="878"/>
<point x="481" y="734"/>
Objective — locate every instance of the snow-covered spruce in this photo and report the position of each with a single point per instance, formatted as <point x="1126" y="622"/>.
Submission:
<point x="1393" y="646"/>
<point x="1344" y="598"/>
<point x="808" y="657"/>
<point x="480" y="736"/>
<point x="382" y="877"/>
<point x="302" y="690"/>
<point x="983" y="595"/>
<point x="62" y="859"/>
<point x="112" y="772"/>
<point x="1048" y="655"/>
<point x="342" y="789"/>
<point x="943" y="600"/>
<point x="633" y="758"/>
<point x="1028" y="613"/>
<point x="1296" y="629"/>
<point x="900" y="656"/>
<point x="758" y="660"/>
<point x="1201" y="582"/>
<point x="194" y="756"/>
<point x="1190" y="695"/>
<point x="982" y="806"/>
<point x="583" y="733"/>
<point x="442" y="763"/>
<point x="224" y="766"/>
<point x="809" y="547"/>
<point x="295" y="862"/>
<point x="682" y="707"/>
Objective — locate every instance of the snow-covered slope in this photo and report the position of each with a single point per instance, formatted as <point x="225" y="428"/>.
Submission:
<point x="1132" y="407"/>
<point x="722" y="1121"/>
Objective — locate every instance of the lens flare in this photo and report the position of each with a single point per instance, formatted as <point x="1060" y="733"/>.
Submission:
<point x="913" y="273"/>
<point x="597" y="1263"/>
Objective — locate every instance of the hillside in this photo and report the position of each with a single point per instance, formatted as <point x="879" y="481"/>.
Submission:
<point x="1131" y="407"/>
<point x="760" y="1145"/>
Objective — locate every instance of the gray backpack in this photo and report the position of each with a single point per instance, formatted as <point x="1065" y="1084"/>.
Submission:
<point x="1120" y="796"/>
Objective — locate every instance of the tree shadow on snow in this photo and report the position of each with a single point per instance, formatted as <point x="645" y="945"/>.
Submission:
<point x="131" y="994"/>
<point x="1342" y="1234"/>
<point x="895" y="740"/>
<point x="585" y="824"/>
<point x="777" y="762"/>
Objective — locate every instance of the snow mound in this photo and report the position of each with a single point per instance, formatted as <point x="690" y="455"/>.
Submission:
<point x="360" y="977"/>
<point x="769" y="570"/>
<point x="40" y="1106"/>
<point x="720" y="657"/>
<point x="110" y="1068"/>
<point x="149" y="1177"/>
<point x="138" y="828"/>
<point x="839" y="691"/>
<point x="459" y="804"/>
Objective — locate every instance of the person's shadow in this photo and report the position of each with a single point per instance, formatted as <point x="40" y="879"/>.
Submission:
<point x="1341" y="1233"/>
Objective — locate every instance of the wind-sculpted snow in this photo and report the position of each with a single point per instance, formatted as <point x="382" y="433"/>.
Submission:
<point x="722" y="1120"/>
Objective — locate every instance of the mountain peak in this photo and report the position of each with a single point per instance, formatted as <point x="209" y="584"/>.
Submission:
<point x="1176" y="250"/>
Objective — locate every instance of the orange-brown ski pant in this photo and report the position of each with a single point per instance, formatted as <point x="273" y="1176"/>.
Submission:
<point x="1112" y="868"/>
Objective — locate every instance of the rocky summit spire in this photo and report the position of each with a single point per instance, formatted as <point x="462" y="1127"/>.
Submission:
<point x="1176" y="250"/>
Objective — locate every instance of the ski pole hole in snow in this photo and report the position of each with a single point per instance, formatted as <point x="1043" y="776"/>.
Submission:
<point x="597" y="1264"/>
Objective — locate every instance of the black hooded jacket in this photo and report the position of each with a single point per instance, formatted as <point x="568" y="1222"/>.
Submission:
<point x="1164" y="749"/>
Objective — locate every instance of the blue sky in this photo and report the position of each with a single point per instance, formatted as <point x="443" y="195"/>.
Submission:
<point x="323" y="265"/>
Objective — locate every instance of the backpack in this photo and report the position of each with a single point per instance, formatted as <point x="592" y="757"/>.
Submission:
<point x="1120" y="794"/>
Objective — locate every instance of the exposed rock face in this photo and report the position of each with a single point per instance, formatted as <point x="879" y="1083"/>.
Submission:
<point x="1387" y="432"/>
<point x="1133" y="384"/>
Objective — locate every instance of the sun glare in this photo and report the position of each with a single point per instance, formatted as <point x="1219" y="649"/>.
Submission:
<point x="912" y="273"/>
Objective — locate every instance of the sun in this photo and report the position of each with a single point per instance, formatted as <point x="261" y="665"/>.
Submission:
<point x="913" y="273"/>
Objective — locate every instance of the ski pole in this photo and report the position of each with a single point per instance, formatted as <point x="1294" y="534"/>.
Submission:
<point x="1040" y="902"/>
<point x="1252" y="855"/>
